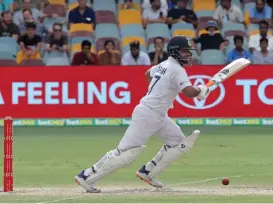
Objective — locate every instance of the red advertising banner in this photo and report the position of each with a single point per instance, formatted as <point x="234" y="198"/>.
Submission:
<point x="71" y="92"/>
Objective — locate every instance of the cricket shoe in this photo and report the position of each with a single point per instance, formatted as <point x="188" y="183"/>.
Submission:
<point x="143" y="175"/>
<point x="81" y="180"/>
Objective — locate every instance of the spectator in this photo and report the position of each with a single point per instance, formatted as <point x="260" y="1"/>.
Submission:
<point x="28" y="18"/>
<point x="30" y="44"/>
<point x="27" y="4"/>
<point x="128" y="4"/>
<point x="264" y="56"/>
<point x="7" y="27"/>
<point x="134" y="56"/>
<point x="82" y="14"/>
<point x="171" y="4"/>
<point x="181" y="14"/>
<point x="254" y="40"/>
<point x="211" y="40"/>
<point x="159" y="55"/>
<point x="44" y="4"/>
<point x="155" y="14"/>
<point x="110" y="56"/>
<point x="228" y="12"/>
<point x="238" y="51"/>
<point x="147" y="4"/>
<point x="58" y="41"/>
<point x="85" y="57"/>
<point x="260" y="12"/>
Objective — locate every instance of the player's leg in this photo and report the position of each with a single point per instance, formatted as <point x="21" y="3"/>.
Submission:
<point x="176" y="144"/>
<point x="143" y="125"/>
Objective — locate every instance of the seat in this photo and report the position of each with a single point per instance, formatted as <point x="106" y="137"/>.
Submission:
<point x="72" y="2"/>
<point x="9" y="45"/>
<point x="81" y="27"/>
<point x="98" y="2"/>
<point x="212" y="57"/>
<point x="58" y="9"/>
<point x="105" y="17"/>
<point x="132" y="30"/>
<point x="72" y="6"/>
<point x="105" y="7"/>
<point x="54" y="54"/>
<point x="100" y="43"/>
<point x="80" y="34"/>
<point x="185" y="29"/>
<point x="230" y="29"/>
<point x="107" y="30"/>
<point x="7" y="62"/>
<point x="58" y="61"/>
<point x="246" y="11"/>
<point x="134" y="1"/>
<point x="121" y="6"/>
<point x="203" y="5"/>
<point x="157" y="29"/>
<point x="128" y="40"/>
<point x="7" y="55"/>
<point x="129" y="17"/>
<point x="60" y="2"/>
<point x="32" y="62"/>
<point x="77" y="40"/>
<point x="204" y="13"/>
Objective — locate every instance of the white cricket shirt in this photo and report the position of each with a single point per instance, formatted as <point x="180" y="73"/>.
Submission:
<point x="169" y="79"/>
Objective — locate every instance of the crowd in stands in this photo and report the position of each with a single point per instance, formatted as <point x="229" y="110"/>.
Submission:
<point x="133" y="32"/>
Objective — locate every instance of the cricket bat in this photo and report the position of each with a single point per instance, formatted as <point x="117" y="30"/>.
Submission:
<point x="228" y="71"/>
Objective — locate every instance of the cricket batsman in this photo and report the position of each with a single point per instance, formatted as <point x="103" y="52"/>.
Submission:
<point x="150" y="116"/>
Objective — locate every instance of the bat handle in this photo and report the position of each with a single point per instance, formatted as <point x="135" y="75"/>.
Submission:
<point x="210" y="83"/>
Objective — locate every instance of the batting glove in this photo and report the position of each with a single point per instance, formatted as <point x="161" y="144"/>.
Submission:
<point x="204" y="92"/>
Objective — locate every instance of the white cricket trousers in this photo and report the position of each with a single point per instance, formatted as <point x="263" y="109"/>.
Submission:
<point x="146" y="122"/>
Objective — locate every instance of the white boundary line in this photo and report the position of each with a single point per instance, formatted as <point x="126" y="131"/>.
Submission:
<point x="181" y="183"/>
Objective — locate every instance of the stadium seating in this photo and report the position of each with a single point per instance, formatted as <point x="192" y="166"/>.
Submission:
<point x="212" y="57"/>
<point x="203" y="5"/>
<point x="105" y="17"/>
<point x="7" y="62"/>
<point x="132" y="30"/>
<point x="231" y="29"/>
<point x="185" y="29"/>
<point x="129" y="17"/>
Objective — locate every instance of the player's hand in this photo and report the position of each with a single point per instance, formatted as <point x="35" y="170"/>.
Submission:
<point x="204" y="92"/>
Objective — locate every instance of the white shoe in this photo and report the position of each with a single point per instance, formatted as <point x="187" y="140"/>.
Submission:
<point x="81" y="180"/>
<point x="152" y="181"/>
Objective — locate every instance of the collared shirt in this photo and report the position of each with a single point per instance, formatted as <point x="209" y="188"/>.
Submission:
<point x="87" y="17"/>
<point x="80" y="58"/>
<point x="260" y="58"/>
<point x="265" y="14"/>
<point x="142" y="59"/>
<point x="234" y="14"/>
<point x="234" y="54"/>
<point x="19" y="19"/>
<point x="151" y="14"/>
<point x="254" y="42"/>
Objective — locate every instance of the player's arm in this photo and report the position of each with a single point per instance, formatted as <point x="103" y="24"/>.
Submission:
<point x="182" y="84"/>
<point x="148" y="75"/>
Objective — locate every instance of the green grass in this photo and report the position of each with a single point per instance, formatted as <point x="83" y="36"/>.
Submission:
<point x="51" y="157"/>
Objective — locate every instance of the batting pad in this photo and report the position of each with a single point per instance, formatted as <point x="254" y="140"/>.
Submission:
<point x="168" y="155"/>
<point x="114" y="162"/>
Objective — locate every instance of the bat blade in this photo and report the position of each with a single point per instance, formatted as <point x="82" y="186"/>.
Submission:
<point x="228" y="71"/>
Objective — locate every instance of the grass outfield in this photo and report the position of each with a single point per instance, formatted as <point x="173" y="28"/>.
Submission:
<point x="47" y="159"/>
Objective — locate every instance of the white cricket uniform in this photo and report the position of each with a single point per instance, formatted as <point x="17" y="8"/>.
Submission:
<point x="151" y="115"/>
